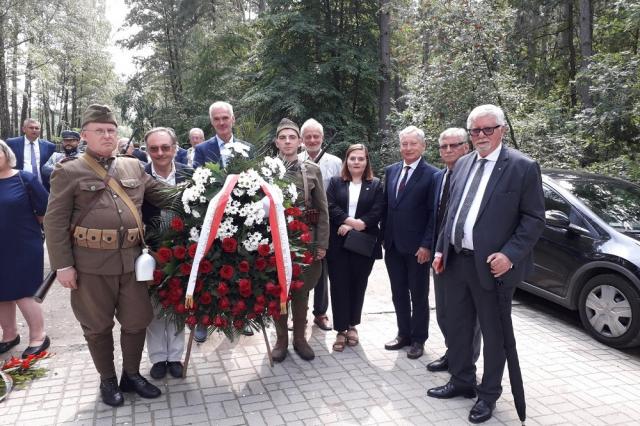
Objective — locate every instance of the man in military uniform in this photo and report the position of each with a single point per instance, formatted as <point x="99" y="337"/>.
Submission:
<point x="311" y="195"/>
<point x="70" y="142"/>
<point x="97" y="262"/>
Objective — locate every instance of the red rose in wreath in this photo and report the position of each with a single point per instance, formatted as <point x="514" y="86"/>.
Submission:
<point x="223" y="289"/>
<point x="243" y="266"/>
<point x="179" y="252"/>
<point x="164" y="254"/>
<point x="229" y="245"/>
<point x="264" y="250"/>
<point x="177" y="224"/>
<point x="244" y="286"/>
<point x="226" y="272"/>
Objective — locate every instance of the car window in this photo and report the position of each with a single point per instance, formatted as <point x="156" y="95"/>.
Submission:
<point x="555" y="201"/>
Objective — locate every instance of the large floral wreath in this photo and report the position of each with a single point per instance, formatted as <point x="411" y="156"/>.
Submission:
<point x="240" y="280"/>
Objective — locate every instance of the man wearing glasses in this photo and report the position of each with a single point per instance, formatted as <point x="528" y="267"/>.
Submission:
<point x="165" y="341"/>
<point x="452" y="145"/>
<point x="96" y="198"/>
<point x="495" y="216"/>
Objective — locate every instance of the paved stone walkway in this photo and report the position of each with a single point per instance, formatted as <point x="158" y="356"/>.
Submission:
<point x="569" y="378"/>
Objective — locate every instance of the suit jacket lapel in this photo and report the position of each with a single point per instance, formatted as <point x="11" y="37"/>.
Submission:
<point x="365" y="193"/>
<point x="496" y="174"/>
<point x="395" y="175"/>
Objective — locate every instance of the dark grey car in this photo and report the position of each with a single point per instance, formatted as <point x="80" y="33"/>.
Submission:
<point x="588" y="258"/>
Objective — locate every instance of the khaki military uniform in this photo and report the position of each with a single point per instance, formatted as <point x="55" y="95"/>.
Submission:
<point x="320" y="232"/>
<point x="103" y="249"/>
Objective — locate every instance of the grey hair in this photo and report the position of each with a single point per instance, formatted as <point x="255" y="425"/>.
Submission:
<point x="484" y="110"/>
<point x="196" y="129"/>
<point x="454" y="132"/>
<point x="167" y="130"/>
<point x="8" y="152"/>
<point x="412" y="130"/>
<point x="311" y="124"/>
<point x="221" y="104"/>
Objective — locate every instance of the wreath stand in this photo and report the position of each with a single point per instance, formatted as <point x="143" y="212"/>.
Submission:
<point x="190" y="345"/>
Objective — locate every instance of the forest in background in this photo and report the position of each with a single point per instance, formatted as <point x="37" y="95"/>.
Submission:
<point x="566" y="72"/>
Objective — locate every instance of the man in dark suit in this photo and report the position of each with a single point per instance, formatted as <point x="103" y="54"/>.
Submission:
<point x="31" y="151"/>
<point x="222" y="120"/>
<point x="494" y="218"/>
<point x="181" y="156"/>
<point x="408" y="237"/>
<point x="452" y="144"/>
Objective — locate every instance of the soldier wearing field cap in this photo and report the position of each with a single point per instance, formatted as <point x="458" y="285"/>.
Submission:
<point x="312" y="199"/>
<point x="94" y="236"/>
<point x="70" y="142"/>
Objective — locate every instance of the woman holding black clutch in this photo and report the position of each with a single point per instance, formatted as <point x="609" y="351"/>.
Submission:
<point x="23" y="201"/>
<point x="356" y="203"/>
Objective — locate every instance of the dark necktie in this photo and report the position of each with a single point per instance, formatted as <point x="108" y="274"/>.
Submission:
<point x="403" y="182"/>
<point x="466" y="206"/>
<point x="34" y="160"/>
<point x="444" y="199"/>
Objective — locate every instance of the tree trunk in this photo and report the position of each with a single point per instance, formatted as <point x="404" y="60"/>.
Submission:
<point x="26" y="94"/>
<point x="566" y="41"/>
<point x="5" y="121"/>
<point x="586" y="50"/>
<point x="384" y="99"/>
<point x="15" y="124"/>
<point x="74" y="103"/>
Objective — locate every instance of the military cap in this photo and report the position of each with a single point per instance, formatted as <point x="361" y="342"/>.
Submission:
<point x="70" y="134"/>
<point x="98" y="114"/>
<point x="285" y="123"/>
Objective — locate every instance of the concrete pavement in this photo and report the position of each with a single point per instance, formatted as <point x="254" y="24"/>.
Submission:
<point x="569" y="377"/>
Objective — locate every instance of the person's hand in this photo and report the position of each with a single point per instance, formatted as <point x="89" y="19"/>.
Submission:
<point x="499" y="263"/>
<point x="68" y="278"/>
<point x="320" y="253"/>
<point x="423" y="255"/>
<point x="344" y="229"/>
<point x="359" y="225"/>
<point x="438" y="266"/>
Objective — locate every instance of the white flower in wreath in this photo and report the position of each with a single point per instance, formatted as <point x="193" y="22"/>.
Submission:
<point x="253" y="240"/>
<point x="227" y="228"/>
<point x="238" y="192"/>
<point x="196" y="214"/>
<point x="201" y="176"/>
<point x="233" y="207"/>
<point x="194" y="234"/>
<point x="276" y="166"/>
<point x="232" y="148"/>
<point x="293" y="192"/>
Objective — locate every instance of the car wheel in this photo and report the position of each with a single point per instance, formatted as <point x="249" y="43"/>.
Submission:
<point x="610" y="310"/>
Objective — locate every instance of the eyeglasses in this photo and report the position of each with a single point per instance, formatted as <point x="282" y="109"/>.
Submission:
<point x="486" y="130"/>
<point x="164" y="148"/>
<point x="451" y="146"/>
<point x="102" y="132"/>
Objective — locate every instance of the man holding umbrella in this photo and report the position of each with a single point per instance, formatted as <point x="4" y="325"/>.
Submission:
<point x="494" y="218"/>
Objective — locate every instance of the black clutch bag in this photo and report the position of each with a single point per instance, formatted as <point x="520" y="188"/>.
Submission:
<point x="360" y="242"/>
<point x="42" y="291"/>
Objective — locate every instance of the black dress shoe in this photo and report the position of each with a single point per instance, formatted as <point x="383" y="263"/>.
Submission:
<point x="415" y="351"/>
<point x="138" y="384"/>
<point x="440" y="364"/>
<point x="158" y="370"/>
<point x="175" y="368"/>
<point x="398" y="343"/>
<point x="450" y="391"/>
<point x="481" y="412"/>
<point x="35" y="350"/>
<point x="110" y="392"/>
<point x="6" y="346"/>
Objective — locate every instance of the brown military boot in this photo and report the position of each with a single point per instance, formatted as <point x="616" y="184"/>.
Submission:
<point x="299" y="313"/>
<point x="279" y="351"/>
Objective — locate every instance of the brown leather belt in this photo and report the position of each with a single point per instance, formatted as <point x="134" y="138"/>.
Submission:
<point x="105" y="239"/>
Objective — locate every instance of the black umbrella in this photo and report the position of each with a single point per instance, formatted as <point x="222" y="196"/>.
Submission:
<point x="515" y="375"/>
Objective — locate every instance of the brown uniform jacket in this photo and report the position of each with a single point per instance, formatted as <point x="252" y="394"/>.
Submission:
<point x="318" y="198"/>
<point x="73" y="185"/>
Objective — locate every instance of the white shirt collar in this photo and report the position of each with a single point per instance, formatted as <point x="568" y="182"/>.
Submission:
<point x="412" y="165"/>
<point x="493" y="157"/>
<point x="170" y="180"/>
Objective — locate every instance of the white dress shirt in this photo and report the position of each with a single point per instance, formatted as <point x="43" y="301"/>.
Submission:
<point x="412" y="168"/>
<point x="354" y="194"/>
<point x="26" y="165"/>
<point x="467" y="239"/>
<point x="329" y="164"/>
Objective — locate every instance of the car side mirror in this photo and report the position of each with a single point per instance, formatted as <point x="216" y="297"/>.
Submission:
<point x="557" y="218"/>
